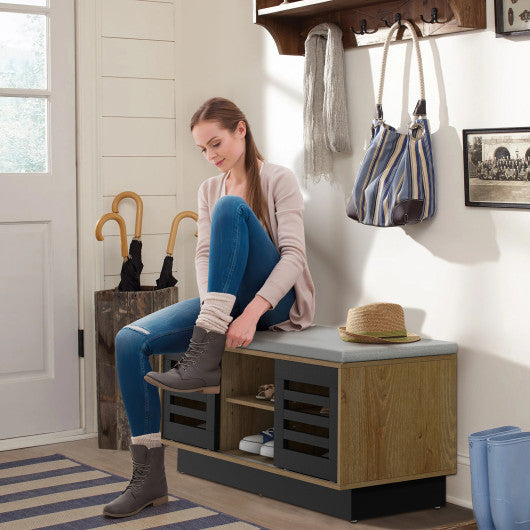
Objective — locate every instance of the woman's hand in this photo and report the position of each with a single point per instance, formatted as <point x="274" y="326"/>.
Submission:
<point x="241" y="331"/>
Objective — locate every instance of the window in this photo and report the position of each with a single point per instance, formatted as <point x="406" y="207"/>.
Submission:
<point x="24" y="90"/>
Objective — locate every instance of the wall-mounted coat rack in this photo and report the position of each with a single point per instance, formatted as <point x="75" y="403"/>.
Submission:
<point x="364" y="22"/>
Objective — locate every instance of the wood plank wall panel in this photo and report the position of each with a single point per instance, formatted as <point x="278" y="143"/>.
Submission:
<point x="137" y="125"/>
<point x="137" y="20"/>
<point x="138" y="137"/>
<point x="159" y="212"/>
<point x="143" y="59"/>
<point x="154" y="245"/>
<point x="143" y="175"/>
<point x="153" y="253"/>
<point x="126" y="97"/>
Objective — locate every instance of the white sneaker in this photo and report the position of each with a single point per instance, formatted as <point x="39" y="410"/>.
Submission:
<point x="253" y="443"/>
<point x="267" y="449"/>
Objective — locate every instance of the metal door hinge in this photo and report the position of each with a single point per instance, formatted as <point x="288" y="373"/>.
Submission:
<point x="81" y="342"/>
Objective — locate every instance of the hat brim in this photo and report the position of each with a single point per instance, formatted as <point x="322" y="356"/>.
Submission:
<point x="355" y="337"/>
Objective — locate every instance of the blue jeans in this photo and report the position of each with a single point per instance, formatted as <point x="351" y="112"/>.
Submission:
<point x="242" y="257"/>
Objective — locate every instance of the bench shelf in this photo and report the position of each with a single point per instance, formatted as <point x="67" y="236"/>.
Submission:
<point x="251" y="401"/>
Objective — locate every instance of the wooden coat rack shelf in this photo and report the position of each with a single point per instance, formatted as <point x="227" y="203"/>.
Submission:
<point x="290" y="22"/>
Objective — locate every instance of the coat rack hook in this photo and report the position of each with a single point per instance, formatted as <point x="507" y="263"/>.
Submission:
<point x="397" y="18"/>
<point x="363" y="31"/>
<point x="434" y="17"/>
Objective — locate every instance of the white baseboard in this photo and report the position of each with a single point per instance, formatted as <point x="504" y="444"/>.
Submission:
<point x="459" y="502"/>
<point x="459" y="485"/>
<point x="45" y="439"/>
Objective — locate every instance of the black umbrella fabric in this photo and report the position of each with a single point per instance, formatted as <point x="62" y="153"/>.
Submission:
<point x="132" y="268"/>
<point x="129" y="275"/>
<point x="166" y="276"/>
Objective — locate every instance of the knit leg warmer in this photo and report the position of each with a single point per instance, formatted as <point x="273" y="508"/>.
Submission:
<point x="150" y="440"/>
<point x="215" y="312"/>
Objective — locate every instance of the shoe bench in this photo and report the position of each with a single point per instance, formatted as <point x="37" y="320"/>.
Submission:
<point x="360" y="430"/>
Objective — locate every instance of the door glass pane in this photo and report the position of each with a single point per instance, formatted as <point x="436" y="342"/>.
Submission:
<point x="28" y="2"/>
<point x="23" y="126"/>
<point x="22" y="50"/>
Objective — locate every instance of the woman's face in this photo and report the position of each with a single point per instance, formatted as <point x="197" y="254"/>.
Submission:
<point x="221" y="147"/>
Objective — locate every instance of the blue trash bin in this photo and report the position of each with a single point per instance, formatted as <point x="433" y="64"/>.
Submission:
<point x="509" y="480"/>
<point x="478" y="458"/>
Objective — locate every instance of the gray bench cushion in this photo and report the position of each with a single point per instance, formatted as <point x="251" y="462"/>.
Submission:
<point x="322" y="342"/>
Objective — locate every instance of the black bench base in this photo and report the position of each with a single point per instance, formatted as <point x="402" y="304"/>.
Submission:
<point x="352" y="505"/>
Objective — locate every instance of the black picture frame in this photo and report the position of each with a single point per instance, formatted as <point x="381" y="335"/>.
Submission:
<point x="513" y="10"/>
<point x="497" y="167"/>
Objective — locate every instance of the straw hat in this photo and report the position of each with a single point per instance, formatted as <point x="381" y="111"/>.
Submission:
<point x="376" y="323"/>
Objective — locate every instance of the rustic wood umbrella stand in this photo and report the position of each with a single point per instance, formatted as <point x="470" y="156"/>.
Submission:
<point x="114" y="310"/>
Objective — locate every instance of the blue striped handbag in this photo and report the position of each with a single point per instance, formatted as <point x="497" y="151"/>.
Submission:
<point x="395" y="183"/>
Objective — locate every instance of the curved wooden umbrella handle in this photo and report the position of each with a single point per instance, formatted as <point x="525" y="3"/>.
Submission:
<point x="123" y="233"/>
<point x="139" y="209"/>
<point x="174" y="228"/>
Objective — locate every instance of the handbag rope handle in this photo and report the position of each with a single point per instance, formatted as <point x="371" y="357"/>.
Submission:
<point x="420" y="109"/>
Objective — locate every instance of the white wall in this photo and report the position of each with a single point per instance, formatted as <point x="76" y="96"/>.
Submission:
<point x="464" y="276"/>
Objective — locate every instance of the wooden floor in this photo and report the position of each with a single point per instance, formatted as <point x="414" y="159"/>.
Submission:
<point x="253" y="508"/>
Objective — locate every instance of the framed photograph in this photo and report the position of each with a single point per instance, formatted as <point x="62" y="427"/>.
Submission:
<point x="512" y="17"/>
<point x="497" y="167"/>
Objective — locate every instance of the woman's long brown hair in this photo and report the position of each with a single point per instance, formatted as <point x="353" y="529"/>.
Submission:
<point x="228" y="115"/>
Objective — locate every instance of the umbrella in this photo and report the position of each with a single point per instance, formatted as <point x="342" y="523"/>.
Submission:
<point x="166" y="277"/>
<point x="135" y="248"/>
<point x="130" y="277"/>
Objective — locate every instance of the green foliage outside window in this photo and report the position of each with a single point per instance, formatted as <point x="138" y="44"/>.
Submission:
<point x="23" y="120"/>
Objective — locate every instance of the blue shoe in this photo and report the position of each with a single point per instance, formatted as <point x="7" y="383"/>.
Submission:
<point x="509" y="480"/>
<point x="478" y="457"/>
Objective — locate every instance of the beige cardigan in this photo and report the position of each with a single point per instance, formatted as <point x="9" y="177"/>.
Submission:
<point x="286" y="205"/>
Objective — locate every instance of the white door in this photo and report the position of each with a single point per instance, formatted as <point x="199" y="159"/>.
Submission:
<point x="39" y="364"/>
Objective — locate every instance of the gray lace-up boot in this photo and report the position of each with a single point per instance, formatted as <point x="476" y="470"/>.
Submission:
<point x="198" y="370"/>
<point x="148" y="483"/>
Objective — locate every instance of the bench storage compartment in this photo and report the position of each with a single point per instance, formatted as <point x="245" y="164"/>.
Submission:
<point x="190" y="417"/>
<point x="305" y="419"/>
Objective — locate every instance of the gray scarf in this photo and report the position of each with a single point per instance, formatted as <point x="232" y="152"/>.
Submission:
<point x="325" y="115"/>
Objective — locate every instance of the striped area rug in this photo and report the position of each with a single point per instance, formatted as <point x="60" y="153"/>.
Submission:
<point x="57" y="492"/>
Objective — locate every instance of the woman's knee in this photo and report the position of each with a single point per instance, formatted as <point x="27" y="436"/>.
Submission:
<point x="228" y="205"/>
<point x="128" y="343"/>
